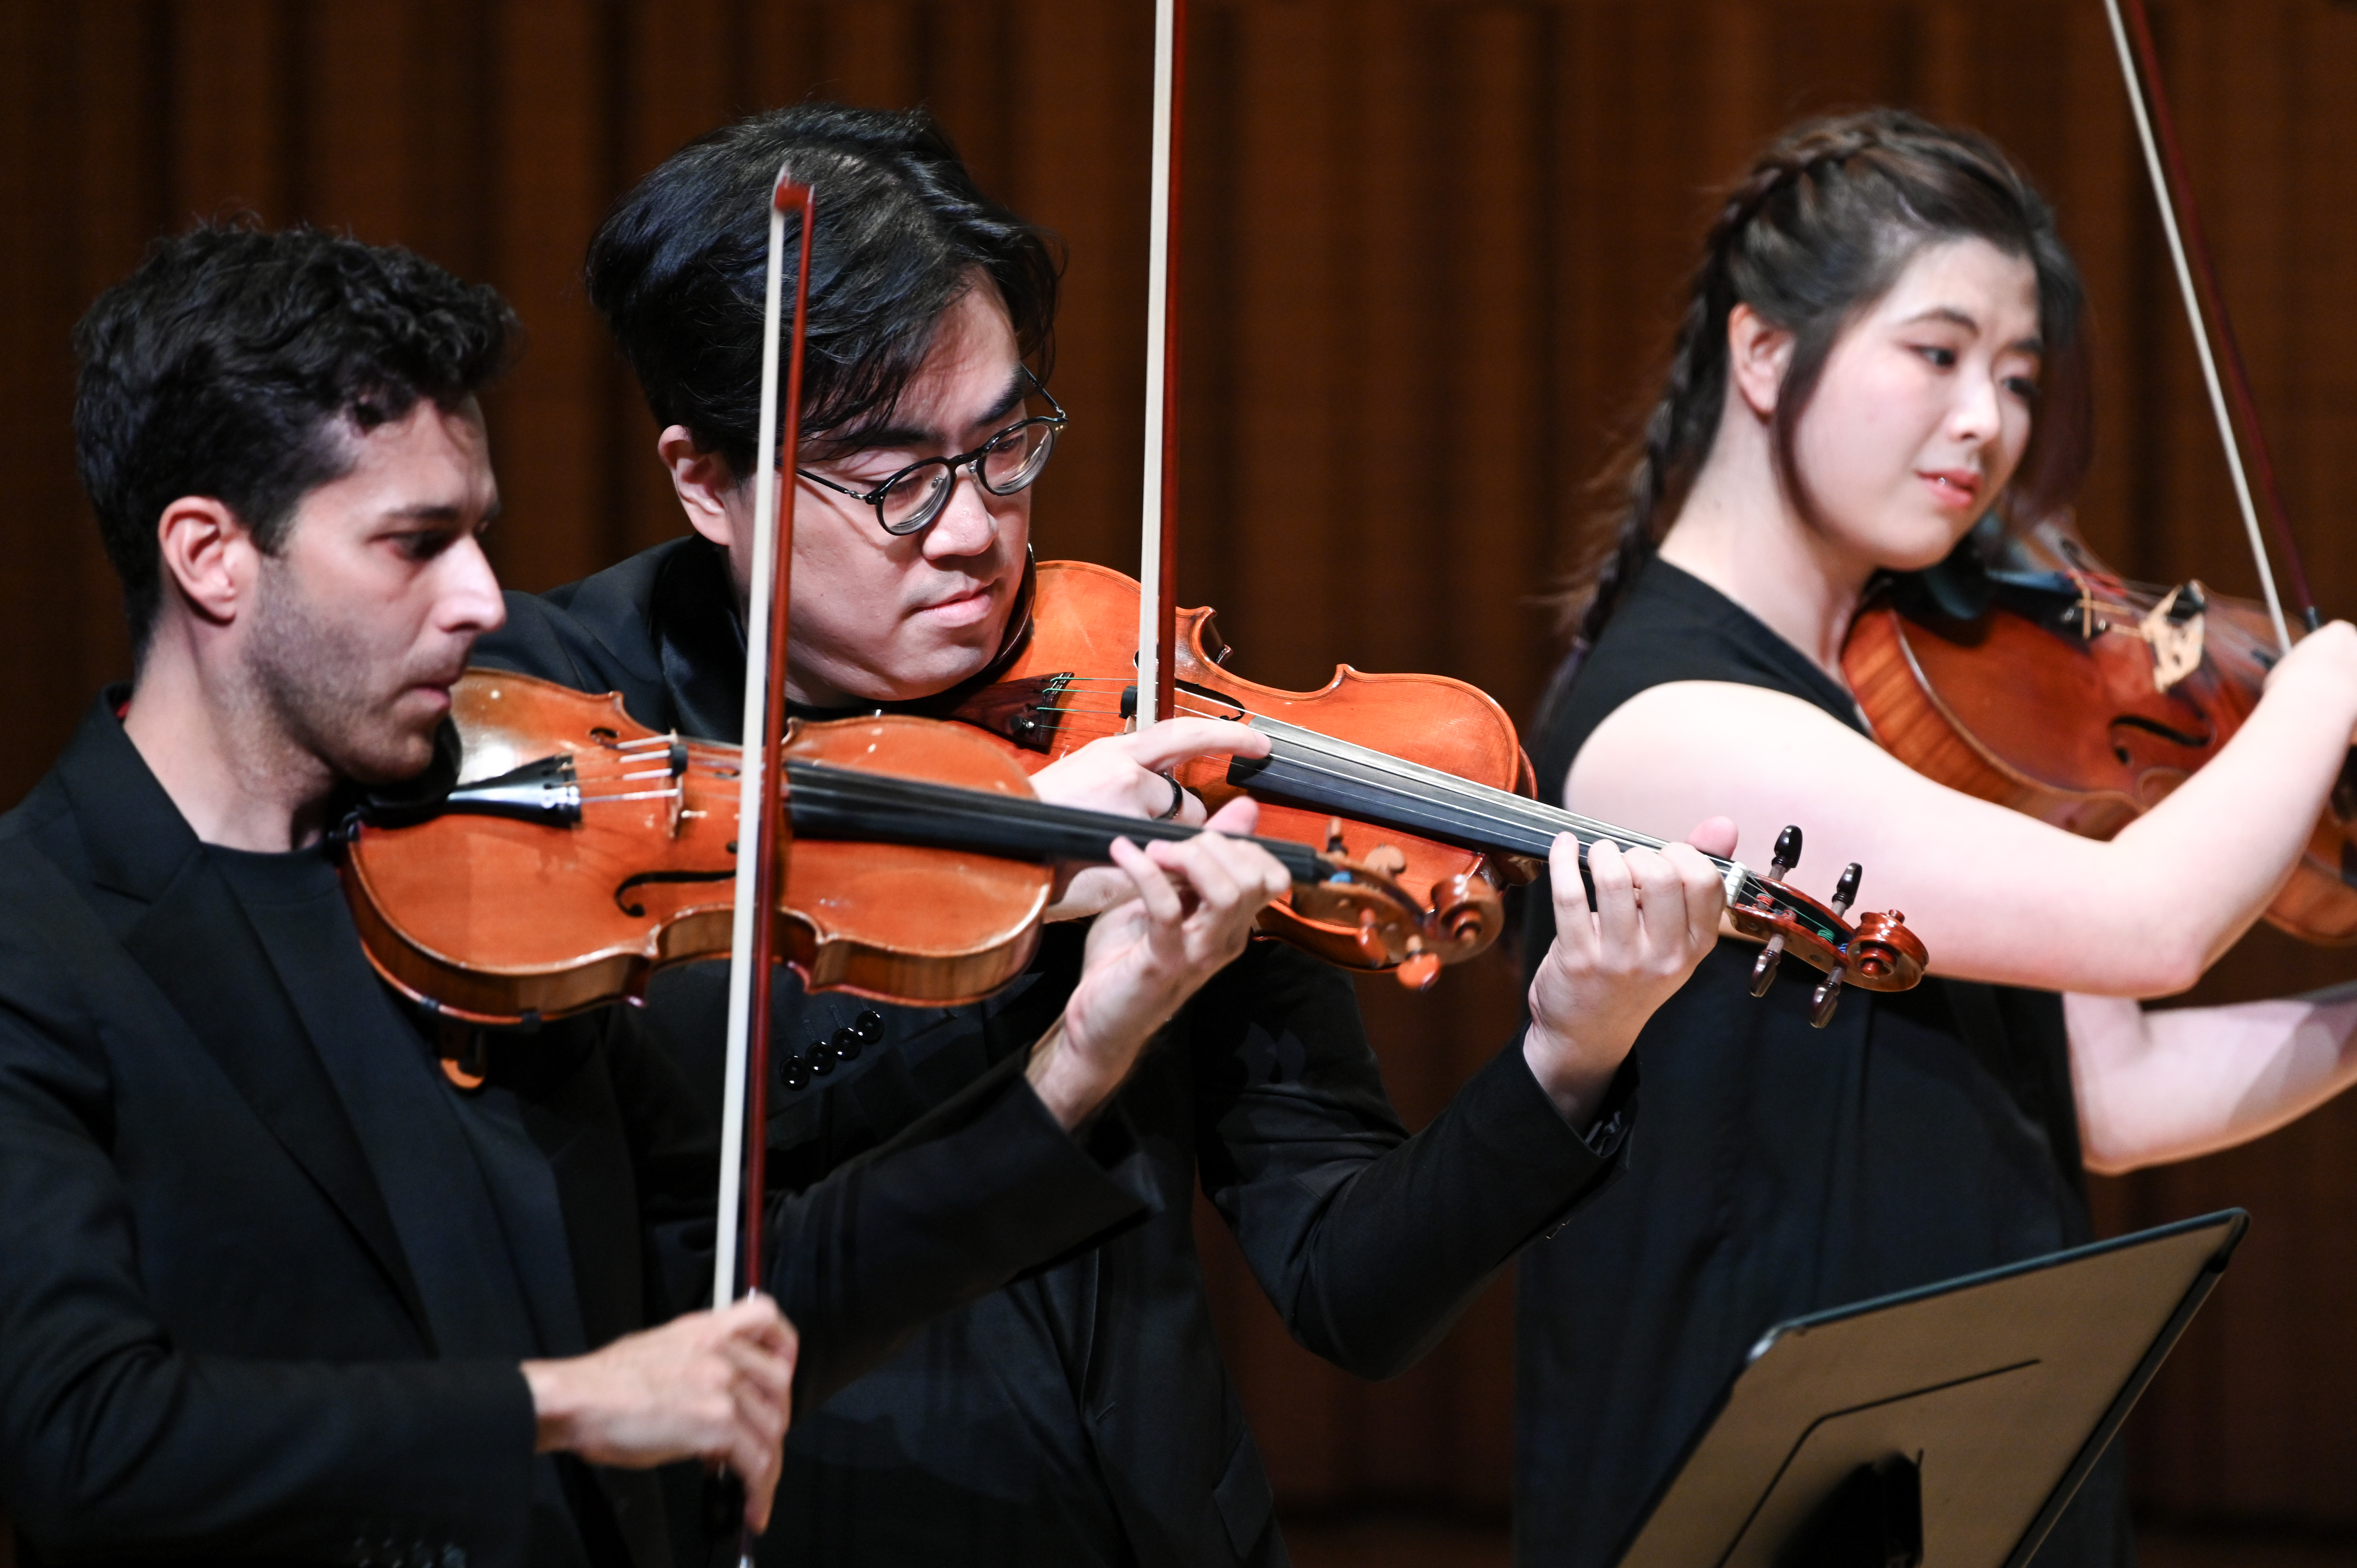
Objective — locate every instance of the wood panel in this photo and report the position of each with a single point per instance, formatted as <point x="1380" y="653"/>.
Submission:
<point x="1433" y="252"/>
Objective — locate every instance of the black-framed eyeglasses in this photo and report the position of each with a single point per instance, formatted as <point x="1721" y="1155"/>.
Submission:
<point x="1008" y="462"/>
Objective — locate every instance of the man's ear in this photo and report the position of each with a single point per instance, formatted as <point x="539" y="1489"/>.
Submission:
<point x="702" y="482"/>
<point x="208" y="556"/>
<point x="1758" y="355"/>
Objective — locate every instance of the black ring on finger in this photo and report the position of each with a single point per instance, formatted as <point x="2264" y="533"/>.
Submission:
<point x="1178" y="796"/>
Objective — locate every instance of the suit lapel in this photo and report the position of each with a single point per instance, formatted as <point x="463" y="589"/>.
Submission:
<point x="195" y="942"/>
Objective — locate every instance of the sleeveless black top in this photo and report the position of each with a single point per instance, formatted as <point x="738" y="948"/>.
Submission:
<point x="1777" y="1169"/>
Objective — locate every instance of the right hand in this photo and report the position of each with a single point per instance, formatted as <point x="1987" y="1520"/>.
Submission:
<point x="1192" y="910"/>
<point x="2325" y="660"/>
<point x="715" y="1386"/>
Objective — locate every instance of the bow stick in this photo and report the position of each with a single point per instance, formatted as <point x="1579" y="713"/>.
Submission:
<point x="2165" y="162"/>
<point x="1157" y="601"/>
<point x="760" y="803"/>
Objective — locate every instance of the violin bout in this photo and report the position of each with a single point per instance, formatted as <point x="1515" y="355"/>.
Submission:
<point x="501" y="918"/>
<point x="2072" y="698"/>
<point x="1073" y="682"/>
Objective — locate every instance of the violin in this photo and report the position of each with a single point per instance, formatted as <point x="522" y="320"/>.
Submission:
<point x="2043" y="680"/>
<point x="2133" y="687"/>
<point x="1418" y="777"/>
<point x="579" y="852"/>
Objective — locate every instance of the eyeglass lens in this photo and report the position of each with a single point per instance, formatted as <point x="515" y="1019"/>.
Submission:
<point x="1006" y="465"/>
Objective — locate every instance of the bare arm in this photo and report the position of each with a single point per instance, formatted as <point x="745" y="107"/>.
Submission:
<point x="2170" y="1085"/>
<point x="1994" y="893"/>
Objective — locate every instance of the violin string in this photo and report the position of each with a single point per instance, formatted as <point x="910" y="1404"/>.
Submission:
<point x="1424" y="778"/>
<point x="604" y="774"/>
<point x="822" y="782"/>
<point x="1530" y="815"/>
<point x="1480" y="804"/>
<point x="1477" y="804"/>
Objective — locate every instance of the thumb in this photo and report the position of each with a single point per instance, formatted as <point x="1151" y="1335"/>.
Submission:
<point x="1714" y="835"/>
<point x="1237" y="818"/>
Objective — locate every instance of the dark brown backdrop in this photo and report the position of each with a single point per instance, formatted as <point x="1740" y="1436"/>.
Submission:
<point x="1433" y="249"/>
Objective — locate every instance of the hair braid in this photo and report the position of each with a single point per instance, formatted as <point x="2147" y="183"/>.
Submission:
<point x="1816" y="232"/>
<point x="1678" y="431"/>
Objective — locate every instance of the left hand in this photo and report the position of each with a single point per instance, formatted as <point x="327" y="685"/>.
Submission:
<point x="1656" y="914"/>
<point x="1124" y="774"/>
<point x="1191" y="911"/>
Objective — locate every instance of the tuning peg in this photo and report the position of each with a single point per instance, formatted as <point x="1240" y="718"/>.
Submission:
<point x="1846" y="890"/>
<point x="1787" y="854"/>
<point x="1420" y="969"/>
<point x="1827" y="997"/>
<point x="1763" y="968"/>
<point x="1333" y="835"/>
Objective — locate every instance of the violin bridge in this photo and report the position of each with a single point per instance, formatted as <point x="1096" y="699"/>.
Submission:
<point x="676" y="755"/>
<point x="2173" y="630"/>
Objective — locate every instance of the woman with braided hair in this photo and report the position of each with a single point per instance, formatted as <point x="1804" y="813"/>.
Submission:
<point x="1884" y="346"/>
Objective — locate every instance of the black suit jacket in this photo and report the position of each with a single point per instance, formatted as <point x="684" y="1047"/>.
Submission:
<point x="1265" y="1092"/>
<point x="211" y="1343"/>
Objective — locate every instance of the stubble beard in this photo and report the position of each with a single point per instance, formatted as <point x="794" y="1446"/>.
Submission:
<point x="324" y="692"/>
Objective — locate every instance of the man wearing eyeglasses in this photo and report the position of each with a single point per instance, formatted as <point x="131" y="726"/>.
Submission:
<point x="1082" y="1415"/>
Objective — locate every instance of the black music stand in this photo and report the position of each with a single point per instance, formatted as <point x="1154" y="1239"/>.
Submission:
<point x="1962" y="1416"/>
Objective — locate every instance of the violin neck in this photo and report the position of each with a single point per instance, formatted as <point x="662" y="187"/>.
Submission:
<point x="1316" y="772"/>
<point x="843" y="803"/>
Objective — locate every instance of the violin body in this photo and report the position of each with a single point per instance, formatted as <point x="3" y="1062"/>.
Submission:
<point x="1066" y="686"/>
<point x="495" y="918"/>
<point x="2075" y="698"/>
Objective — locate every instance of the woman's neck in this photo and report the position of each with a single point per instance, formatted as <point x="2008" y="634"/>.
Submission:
<point x="1739" y="531"/>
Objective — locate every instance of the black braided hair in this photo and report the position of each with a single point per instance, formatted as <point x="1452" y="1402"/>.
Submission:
<point x="1818" y="231"/>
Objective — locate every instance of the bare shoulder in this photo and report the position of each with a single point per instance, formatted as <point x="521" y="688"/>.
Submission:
<point x="1711" y="726"/>
<point x="1684" y="750"/>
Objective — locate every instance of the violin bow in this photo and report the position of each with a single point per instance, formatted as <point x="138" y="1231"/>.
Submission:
<point x="2165" y="162"/>
<point x="761" y="830"/>
<point x="1157" y="602"/>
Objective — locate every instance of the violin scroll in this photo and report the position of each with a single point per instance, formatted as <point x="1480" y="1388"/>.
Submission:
<point x="1878" y="953"/>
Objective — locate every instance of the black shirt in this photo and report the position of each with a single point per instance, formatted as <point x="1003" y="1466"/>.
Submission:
<point x="1779" y="1169"/>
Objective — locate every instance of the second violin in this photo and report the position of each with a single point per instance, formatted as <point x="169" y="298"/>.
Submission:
<point x="1419" y="776"/>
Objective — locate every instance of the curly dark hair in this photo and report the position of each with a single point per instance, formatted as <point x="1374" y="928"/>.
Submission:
<point x="1818" y="231"/>
<point x="677" y="269"/>
<point x="235" y="363"/>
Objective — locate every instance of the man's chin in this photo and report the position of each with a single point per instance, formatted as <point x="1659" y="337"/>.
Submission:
<point x="395" y="758"/>
<point x="922" y="668"/>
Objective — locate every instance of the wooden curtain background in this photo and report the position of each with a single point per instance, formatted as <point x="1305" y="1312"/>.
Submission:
<point x="1434" y="248"/>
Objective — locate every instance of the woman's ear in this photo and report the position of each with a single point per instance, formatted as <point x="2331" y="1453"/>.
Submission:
<point x="208" y="556"/>
<point x="704" y="483"/>
<point x="1758" y="355"/>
